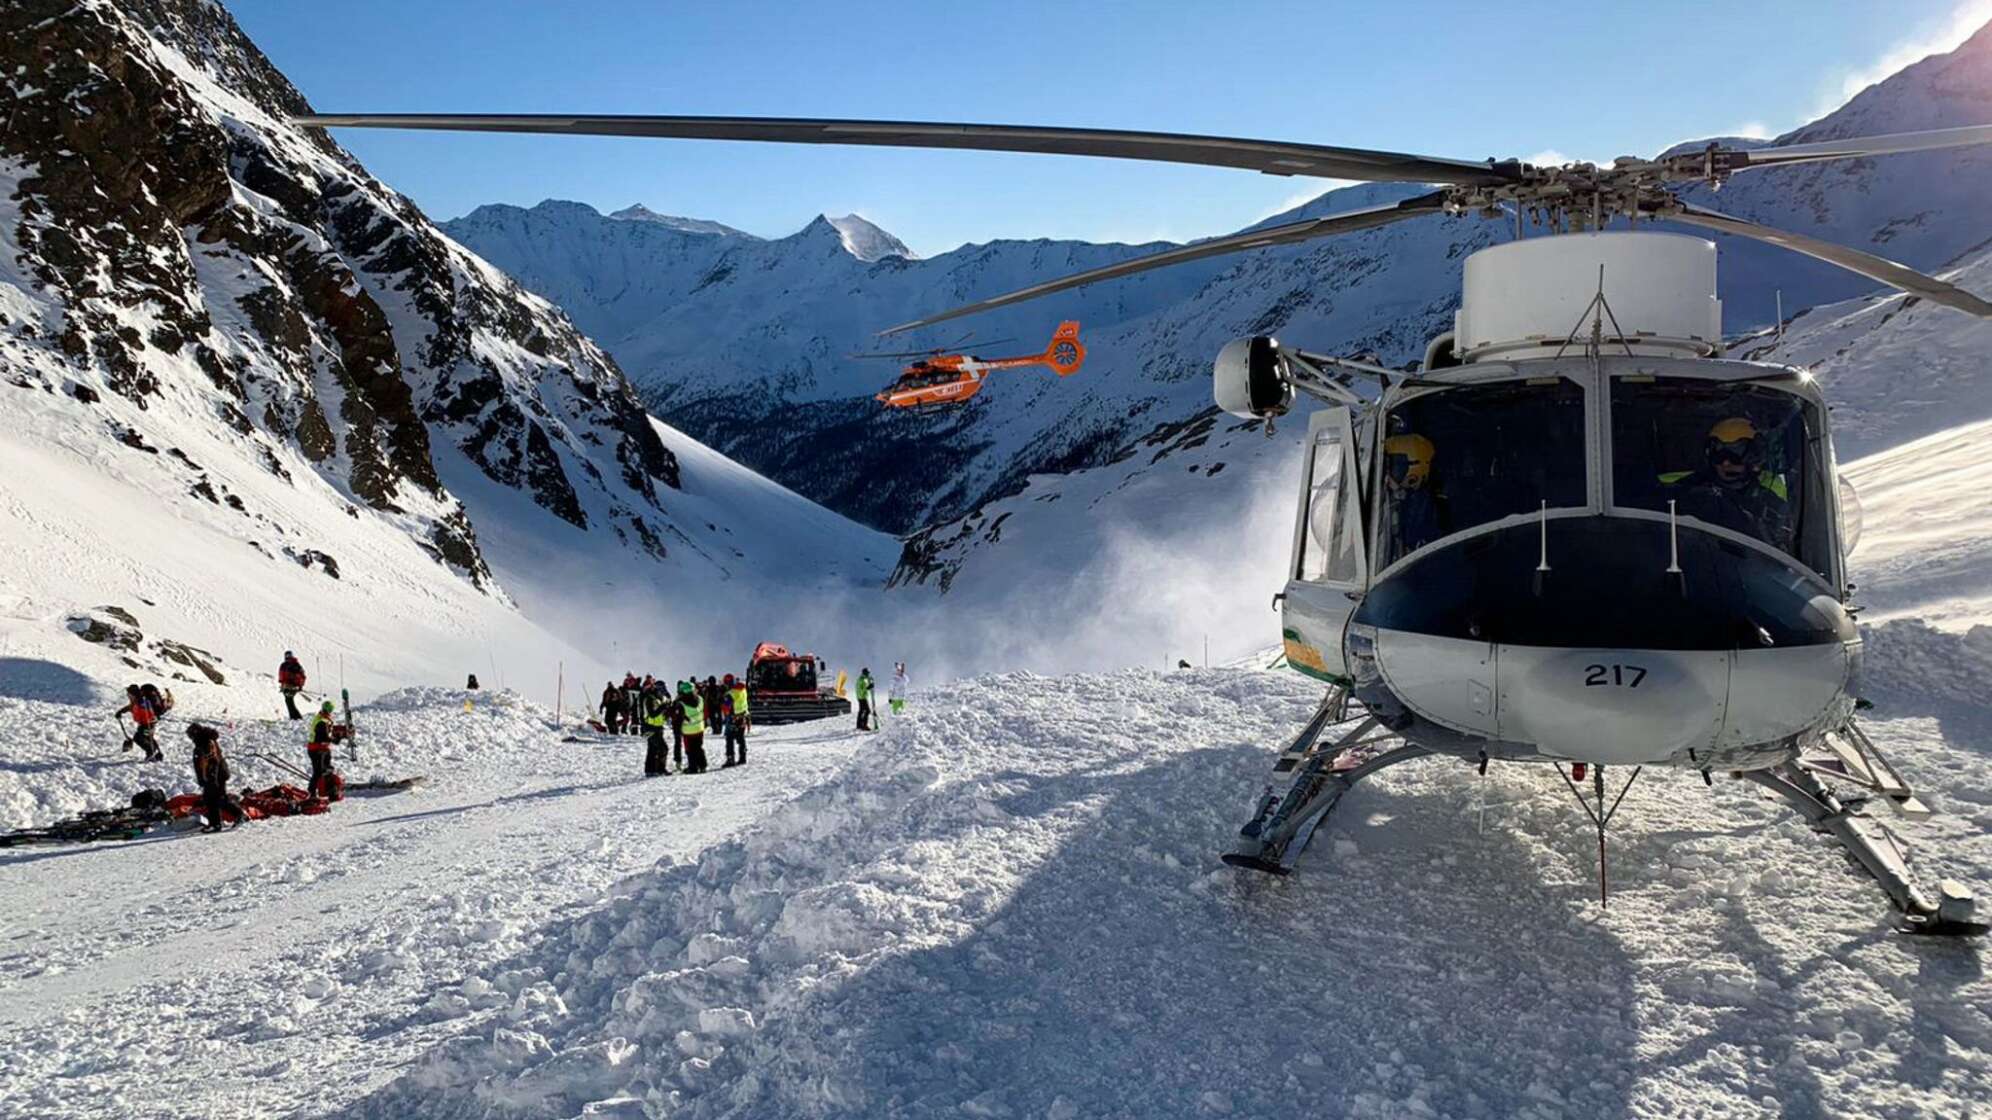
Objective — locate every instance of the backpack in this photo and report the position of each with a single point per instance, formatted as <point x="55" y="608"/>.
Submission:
<point x="162" y="702"/>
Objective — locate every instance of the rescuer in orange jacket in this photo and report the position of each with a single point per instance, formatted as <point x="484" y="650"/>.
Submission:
<point x="144" y="715"/>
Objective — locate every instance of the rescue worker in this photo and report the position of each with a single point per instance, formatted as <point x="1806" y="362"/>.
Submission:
<point x="736" y="720"/>
<point x="1735" y="487"/>
<point x="896" y="699"/>
<point x="1416" y="512"/>
<point x="688" y="719"/>
<point x="318" y="747"/>
<point x="632" y="691"/>
<point x="144" y="715"/>
<point x="290" y="681"/>
<point x="677" y="732"/>
<point x="211" y="771"/>
<point x="865" y="700"/>
<point x="715" y="708"/>
<point x="654" y="709"/>
<point x="614" y="714"/>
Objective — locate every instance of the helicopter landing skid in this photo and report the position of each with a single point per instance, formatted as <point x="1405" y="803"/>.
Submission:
<point x="1279" y="831"/>
<point x="1876" y="851"/>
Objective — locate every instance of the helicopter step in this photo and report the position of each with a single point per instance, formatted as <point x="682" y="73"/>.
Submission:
<point x="1855" y="758"/>
<point x="1281" y="827"/>
<point x="1875" y="849"/>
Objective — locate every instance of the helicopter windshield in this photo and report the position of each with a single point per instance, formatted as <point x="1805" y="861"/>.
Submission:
<point x="1463" y="457"/>
<point x="1745" y="457"/>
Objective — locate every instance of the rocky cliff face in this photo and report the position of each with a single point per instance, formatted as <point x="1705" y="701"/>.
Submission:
<point x="174" y="256"/>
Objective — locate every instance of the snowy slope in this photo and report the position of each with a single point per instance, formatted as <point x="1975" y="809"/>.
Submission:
<point x="1926" y="541"/>
<point x="1009" y="905"/>
<point x="743" y="343"/>
<point x="253" y="398"/>
<point x="1895" y="367"/>
<point x="295" y="965"/>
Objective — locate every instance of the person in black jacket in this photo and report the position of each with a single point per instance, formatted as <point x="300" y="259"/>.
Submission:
<point x="614" y="713"/>
<point x="211" y="771"/>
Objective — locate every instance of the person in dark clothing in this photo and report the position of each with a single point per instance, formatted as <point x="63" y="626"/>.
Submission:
<point x="211" y="771"/>
<point x="677" y="729"/>
<point x="653" y="710"/>
<point x="865" y="689"/>
<point x="614" y="714"/>
<point x="632" y="696"/>
<point x="290" y="681"/>
<point x="144" y="714"/>
<point x="471" y="684"/>
<point x="319" y="749"/>
<point x="688" y="719"/>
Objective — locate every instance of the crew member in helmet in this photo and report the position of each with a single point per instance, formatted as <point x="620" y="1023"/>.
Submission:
<point x="1416" y="510"/>
<point x="318" y="748"/>
<point x="1735" y="487"/>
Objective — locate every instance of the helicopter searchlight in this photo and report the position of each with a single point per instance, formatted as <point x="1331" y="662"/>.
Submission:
<point x="1577" y="536"/>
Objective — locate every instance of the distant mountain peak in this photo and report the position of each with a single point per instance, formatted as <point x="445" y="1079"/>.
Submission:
<point x="866" y="241"/>
<point x="638" y="212"/>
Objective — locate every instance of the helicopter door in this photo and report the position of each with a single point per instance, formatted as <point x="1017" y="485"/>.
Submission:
<point x="1329" y="566"/>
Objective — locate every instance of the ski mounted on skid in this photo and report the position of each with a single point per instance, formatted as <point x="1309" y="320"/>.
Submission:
<point x="1322" y="772"/>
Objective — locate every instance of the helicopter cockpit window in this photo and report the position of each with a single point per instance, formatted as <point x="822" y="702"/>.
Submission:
<point x="1328" y="546"/>
<point x="1463" y="457"/>
<point x="1744" y="457"/>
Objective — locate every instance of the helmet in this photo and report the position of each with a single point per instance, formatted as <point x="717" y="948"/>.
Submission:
<point x="1408" y="459"/>
<point x="728" y="679"/>
<point x="1735" y="439"/>
<point x="684" y="688"/>
<point x="288" y="653"/>
<point x="326" y="707"/>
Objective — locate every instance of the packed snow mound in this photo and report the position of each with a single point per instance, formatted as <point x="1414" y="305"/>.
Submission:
<point x="1009" y="904"/>
<point x="297" y="964"/>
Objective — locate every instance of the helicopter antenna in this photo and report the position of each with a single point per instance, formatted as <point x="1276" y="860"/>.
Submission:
<point x="1598" y="310"/>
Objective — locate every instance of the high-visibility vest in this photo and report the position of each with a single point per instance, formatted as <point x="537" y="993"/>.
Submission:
<point x="311" y="741"/>
<point x="653" y="710"/>
<point x="864" y="687"/>
<point x="738" y="693"/>
<point x="694" y="721"/>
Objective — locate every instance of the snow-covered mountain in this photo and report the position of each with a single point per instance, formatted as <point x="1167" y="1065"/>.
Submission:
<point x="248" y="387"/>
<point x="744" y="343"/>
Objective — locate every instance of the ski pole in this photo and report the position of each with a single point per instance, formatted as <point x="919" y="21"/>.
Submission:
<point x="279" y="763"/>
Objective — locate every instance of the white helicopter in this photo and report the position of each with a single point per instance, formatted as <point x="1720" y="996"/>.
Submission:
<point x="1576" y="535"/>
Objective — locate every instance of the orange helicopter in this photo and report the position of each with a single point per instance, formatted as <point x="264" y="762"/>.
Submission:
<point x="938" y="378"/>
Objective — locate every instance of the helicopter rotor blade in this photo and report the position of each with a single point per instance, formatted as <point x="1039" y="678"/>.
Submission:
<point x="1880" y="269"/>
<point x="1892" y="143"/>
<point x="1252" y="239"/>
<point x="1272" y="157"/>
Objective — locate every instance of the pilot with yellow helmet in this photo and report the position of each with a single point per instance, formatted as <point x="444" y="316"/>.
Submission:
<point x="1735" y="487"/>
<point x="1416" y="509"/>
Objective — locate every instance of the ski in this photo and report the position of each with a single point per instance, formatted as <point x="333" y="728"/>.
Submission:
<point x="352" y="740"/>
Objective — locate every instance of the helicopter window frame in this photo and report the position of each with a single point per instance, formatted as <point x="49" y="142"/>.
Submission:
<point x="1344" y="558"/>
<point x="1815" y="507"/>
<point x="1578" y="376"/>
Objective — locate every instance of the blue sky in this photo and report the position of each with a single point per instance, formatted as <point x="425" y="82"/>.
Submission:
<point x="1465" y="80"/>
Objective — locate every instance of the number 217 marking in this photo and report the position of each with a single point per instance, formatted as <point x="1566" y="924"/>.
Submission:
<point x="1625" y="676"/>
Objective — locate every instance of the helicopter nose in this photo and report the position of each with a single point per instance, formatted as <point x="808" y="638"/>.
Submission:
<point x="1734" y="652"/>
